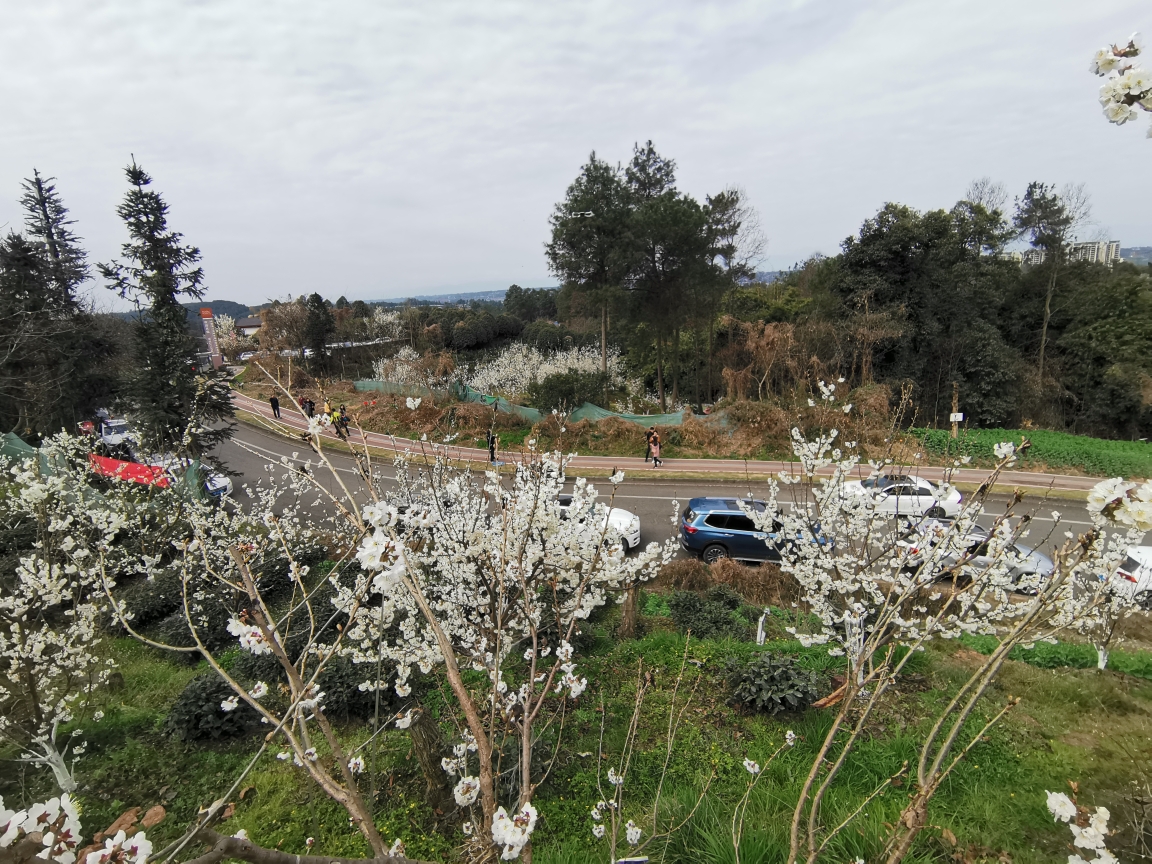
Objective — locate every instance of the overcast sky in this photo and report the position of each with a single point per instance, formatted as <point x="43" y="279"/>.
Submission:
<point x="377" y="149"/>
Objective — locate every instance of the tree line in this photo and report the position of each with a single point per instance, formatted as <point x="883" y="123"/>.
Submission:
<point x="61" y="361"/>
<point x="928" y="301"/>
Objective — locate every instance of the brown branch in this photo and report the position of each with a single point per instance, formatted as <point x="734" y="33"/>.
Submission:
<point x="224" y="848"/>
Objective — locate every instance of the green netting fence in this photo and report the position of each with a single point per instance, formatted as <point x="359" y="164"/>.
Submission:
<point x="462" y="392"/>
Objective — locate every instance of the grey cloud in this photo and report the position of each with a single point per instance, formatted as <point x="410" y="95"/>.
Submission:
<point x="373" y="149"/>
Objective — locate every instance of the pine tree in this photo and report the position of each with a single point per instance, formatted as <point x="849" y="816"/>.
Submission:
<point x="46" y="221"/>
<point x="174" y="406"/>
<point x="52" y="372"/>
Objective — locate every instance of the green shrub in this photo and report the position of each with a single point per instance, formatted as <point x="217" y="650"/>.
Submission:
<point x="771" y="683"/>
<point x="544" y="335"/>
<point x="567" y="391"/>
<point x="150" y="600"/>
<point x="196" y="715"/>
<point x="713" y="616"/>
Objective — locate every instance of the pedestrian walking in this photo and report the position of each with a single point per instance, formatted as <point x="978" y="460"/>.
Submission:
<point x="648" y="442"/>
<point x="309" y="407"/>
<point x="492" y="446"/>
<point x="275" y="403"/>
<point x="655" y="447"/>
<point x="344" y="420"/>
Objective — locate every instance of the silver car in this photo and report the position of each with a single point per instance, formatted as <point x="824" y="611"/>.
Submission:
<point x="1028" y="570"/>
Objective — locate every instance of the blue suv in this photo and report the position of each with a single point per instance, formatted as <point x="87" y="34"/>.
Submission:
<point x="716" y="528"/>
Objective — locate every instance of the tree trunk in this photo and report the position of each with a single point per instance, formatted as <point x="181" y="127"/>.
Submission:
<point x="709" y="391"/>
<point x="630" y="612"/>
<point x="1047" y="317"/>
<point x="696" y="370"/>
<point x="660" y="372"/>
<point x="604" y="338"/>
<point x="676" y="365"/>
<point x="428" y="744"/>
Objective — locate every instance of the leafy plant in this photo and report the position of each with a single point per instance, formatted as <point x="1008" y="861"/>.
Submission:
<point x="196" y="715"/>
<point x="771" y="683"/>
<point x="656" y="605"/>
<point x="714" y="615"/>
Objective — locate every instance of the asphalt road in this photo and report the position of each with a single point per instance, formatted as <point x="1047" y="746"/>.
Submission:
<point x="651" y="498"/>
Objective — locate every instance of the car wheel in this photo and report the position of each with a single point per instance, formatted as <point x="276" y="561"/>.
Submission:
<point x="937" y="513"/>
<point x="1144" y="600"/>
<point x="624" y="547"/>
<point x="714" y="553"/>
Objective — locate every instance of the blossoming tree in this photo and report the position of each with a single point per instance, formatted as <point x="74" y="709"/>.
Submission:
<point x="880" y="591"/>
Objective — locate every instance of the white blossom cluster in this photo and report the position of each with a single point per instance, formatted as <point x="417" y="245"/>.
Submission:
<point x="1091" y="837"/>
<point x="1126" y="86"/>
<point x="407" y="366"/>
<point x="55" y="825"/>
<point x="56" y="821"/>
<point x="511" y="833"/>
<point x="518" y="366"/>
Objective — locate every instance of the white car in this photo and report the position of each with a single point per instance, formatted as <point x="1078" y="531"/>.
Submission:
<point x="1134" y="576"/>
<point x="903" y="495"/>
<point x="114" y="432"/>
<point x="624" y="521"/>
<point x="247" y="355"/>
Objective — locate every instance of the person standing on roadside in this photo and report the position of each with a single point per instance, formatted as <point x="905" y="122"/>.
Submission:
<point x="275" y="403"/>
<point x="654" y="446"/>
<point x="492" y="446"/>
<point x="648" y="442"/>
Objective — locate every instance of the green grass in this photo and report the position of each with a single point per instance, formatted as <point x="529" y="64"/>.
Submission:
<point x="995" y="799"/>
<point x="1095" y="456"/>
<point x="1068" y="655"/>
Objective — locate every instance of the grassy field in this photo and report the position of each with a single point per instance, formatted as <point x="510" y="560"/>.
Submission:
<point x="1056" y="450"/>
<point x="1073" y="724"/>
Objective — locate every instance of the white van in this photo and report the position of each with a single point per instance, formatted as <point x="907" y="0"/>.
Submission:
<point x="1135" y="576"/>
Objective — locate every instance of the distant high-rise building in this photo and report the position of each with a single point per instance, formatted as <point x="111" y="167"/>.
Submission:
<point x="1033" y="257"/>
<point x="1101" y="252"/>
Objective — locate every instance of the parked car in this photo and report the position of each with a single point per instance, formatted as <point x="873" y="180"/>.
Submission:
<point x="1136" y="576"/>
<point x="904" y="495"/>
<point x="626" y="523"/>
<point x="113" y="431"/>
<point x="716" y="528"/>
<point x="212" y="483"/>
<point x="246" y="356"/>
<point x="1029" y="567"/>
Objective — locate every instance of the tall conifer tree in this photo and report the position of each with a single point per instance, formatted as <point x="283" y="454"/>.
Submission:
<point x="175" y="406"/>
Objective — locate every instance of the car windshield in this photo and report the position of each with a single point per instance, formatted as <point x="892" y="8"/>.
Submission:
<point x="117" y="425"/>
<point x="1130" y="565"/>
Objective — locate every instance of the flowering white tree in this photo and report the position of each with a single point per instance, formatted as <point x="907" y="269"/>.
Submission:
<point x="466" y="573"/>
<point x="517" y="366"/>
<point x="877" y="602"/>
<point x="1126" y="86"/>
<point x="231" y="341"/>
<point x="50" y="662"/>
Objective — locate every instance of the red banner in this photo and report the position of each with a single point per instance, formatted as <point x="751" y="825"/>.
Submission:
<point x="134" y="471"/>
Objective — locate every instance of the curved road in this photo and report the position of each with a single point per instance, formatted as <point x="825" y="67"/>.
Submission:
<point x="731" y="468"/>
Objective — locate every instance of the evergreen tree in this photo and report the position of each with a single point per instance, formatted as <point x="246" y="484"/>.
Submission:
<point x="318" y="327"/>
<point x="174" y="406"/>
<point x="52" y="372"/>
<point x="589" y="249"/>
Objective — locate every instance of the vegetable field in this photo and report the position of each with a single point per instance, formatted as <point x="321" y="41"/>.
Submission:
<point x="1095" y="456"/>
